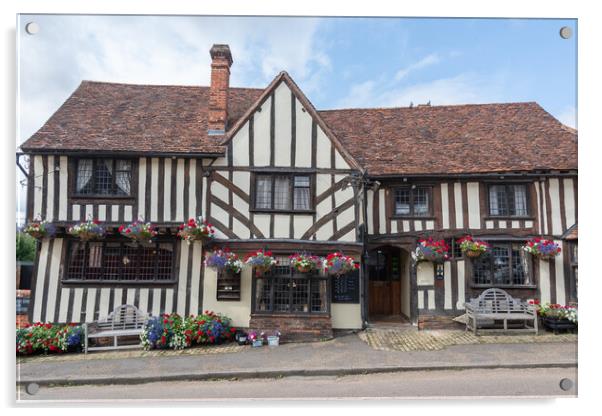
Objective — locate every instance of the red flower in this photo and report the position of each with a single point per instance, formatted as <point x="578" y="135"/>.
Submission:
<point x="233" y="330"/>
<point x="163" y="339"/>
<point x="165" y="321"/>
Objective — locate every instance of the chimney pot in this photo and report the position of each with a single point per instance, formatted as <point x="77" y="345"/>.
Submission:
<point x="221" y="60"/>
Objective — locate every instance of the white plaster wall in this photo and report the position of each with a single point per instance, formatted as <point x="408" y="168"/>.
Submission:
<point x="282" y="125"/>
<point x="240" y="146"/>
<point x="425" y="273"/>
<point x="302" y="137"/>
<point x="261" y="134"/>
<point x="323" y="150"/>
<point x="238" y="311"/>
<point x="346" y="315"/>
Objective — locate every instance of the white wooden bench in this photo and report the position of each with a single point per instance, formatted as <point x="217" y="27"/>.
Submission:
<point x="497" y="305"/>
<point x="125" y="320"/>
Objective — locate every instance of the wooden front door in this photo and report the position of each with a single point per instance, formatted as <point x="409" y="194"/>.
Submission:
<point x="384" y="277"/>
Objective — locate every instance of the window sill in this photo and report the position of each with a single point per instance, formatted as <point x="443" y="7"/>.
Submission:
<point x="291" y="315"/>
<point x="281" y="211"/>
<point x="507" y="218"/>
<point x="480" y="286"/>
<point x="413" y="217"/>
<point x="76" y="198"/>
<point x="117" y="283"/>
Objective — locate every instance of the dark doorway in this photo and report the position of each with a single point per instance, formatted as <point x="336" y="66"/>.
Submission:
<point x="385" y="283"/>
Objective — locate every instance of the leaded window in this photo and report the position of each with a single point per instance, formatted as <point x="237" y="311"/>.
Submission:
<point x="506" y="264"/>
<point x="412" y="201"/>
<point x="283" y="291"/>
<point x="283" y="192"/>
<point x="119" y="261"/>
<point x="508" y="200"/>
<point x="103" y="177"/>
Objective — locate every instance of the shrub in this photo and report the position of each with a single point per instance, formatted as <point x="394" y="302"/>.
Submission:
<point x="174" y="332"/>
<point x="48" y="338"/>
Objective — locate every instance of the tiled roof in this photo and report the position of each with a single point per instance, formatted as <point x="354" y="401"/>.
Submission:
<point x="455" y="139"/>
<point x="102" y="116"/>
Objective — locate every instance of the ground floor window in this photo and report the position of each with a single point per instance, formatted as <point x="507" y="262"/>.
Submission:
<point x="120" y="261"/>
<point x="284" y="291"/>
<point x="505" y="264"/>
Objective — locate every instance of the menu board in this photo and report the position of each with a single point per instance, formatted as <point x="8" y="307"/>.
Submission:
<point x="346" y="288"/>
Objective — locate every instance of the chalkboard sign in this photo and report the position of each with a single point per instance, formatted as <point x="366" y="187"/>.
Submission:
<point x="346" y="289"/>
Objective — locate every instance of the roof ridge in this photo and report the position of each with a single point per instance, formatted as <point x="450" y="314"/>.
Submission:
<point x="421" y="106"/>
<point x="86" y="81"/>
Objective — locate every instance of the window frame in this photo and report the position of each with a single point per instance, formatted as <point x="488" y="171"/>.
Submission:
<point x="412" y="214"/>
<point x="292" y="274"/>
<point x="530" y="274"/>
<point x="291" y="176"/>
<point x="66" y="281"/>
<point x="507" y="185"/>
<point x="74" y="172"/>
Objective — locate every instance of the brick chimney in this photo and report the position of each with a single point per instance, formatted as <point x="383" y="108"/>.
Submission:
<point x="221" y="60"/>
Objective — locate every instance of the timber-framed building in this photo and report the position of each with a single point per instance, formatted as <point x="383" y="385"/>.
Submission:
<point x="269" y="170"/>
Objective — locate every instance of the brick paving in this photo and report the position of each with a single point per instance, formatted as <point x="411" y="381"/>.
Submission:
<point x="433" y="340"/>
<point x="135" y="353"/>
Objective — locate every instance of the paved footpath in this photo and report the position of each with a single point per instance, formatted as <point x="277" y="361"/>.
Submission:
<point x="343" y="355"/>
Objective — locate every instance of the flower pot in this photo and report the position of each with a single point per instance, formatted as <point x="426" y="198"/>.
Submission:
<point x="273" y="341"/>
<point x="558" y="324"/>
<point x="473" y="253"/>
<point x="36" y="234"/>
<point x="306" y="269"/>
<point x="242" y="340"/>
<point x="257" y="343"/>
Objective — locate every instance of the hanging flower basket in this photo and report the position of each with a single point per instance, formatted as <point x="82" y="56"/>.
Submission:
<point x="223" y="260"/>
<point x="543" y="249"/>
<point x="338" y="264"/>
<point x="472" y="248"/>
<point x="305" y="263"/>
<point x="261" y="261"/>
<point x="431" y="250"/>
<point x="89" y="230"/>
<point x="139" y="231"/>
<point x="196" y="229"/>
<point x="39" y="229"/>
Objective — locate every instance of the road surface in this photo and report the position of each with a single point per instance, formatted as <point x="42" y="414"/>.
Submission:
<point x="542" y="382"/>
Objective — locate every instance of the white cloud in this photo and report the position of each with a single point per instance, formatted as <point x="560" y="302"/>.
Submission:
<point x="428" y="60"/>
<point x="568" y="117"/>
<point x="461" y="89"/>
<point x="158" y="50"/>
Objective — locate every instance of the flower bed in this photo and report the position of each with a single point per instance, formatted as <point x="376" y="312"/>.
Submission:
<point x="139" y="231"/>
<point x="223" y="259"/>
<point x="171" y="331"/>
<point x="196" y="229"/>
<point x="337" y="264"/>
<point x="88" y="230"/>
<point x="471" y="247"/>
<point x="544" y="249"/>
<point x="556" y="311"/>
<point x="261" y="261"/>
<point x="44" y="338"/>
<point x="431" y="250"/>
<point x="39" y="229"/>
<point x="305" y="263"/>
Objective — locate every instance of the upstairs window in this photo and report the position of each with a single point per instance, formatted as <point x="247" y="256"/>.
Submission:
<point x="103" y="177"/>
<point x="283" y="192"/>
<point x="412" y="201"/>
<point x="508" y="200"/>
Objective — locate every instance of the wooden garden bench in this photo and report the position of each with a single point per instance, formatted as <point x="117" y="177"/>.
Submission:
<point x="125" y="320"/>
<point x="497" y="305"/>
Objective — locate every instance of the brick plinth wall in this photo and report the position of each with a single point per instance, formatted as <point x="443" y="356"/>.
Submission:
<point x="438" y="322"/>
<point x="294" y="327"/>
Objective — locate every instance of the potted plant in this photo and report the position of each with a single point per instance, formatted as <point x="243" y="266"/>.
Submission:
<point x="472" y="248"/>
<point x="196" y="229"/>
<point x="139" y="231"/>
<point x="256" y="340"/>
<point x="223" y="260"/>
<point x="274" y="339"/>
<point x="431" y="250"/>
<point x="241" y="337"/>
<point x="543" y="249"/>
<point x="261" y="261"/>
<point x="557" y="317"/>
<point x="338" y="264"/>
<point x="39" y="229"/>
<point x="305" y="263"/>
<point x="88" y="230"/>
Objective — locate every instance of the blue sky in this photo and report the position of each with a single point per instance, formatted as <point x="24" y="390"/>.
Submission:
<point x="338" y="62"/>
